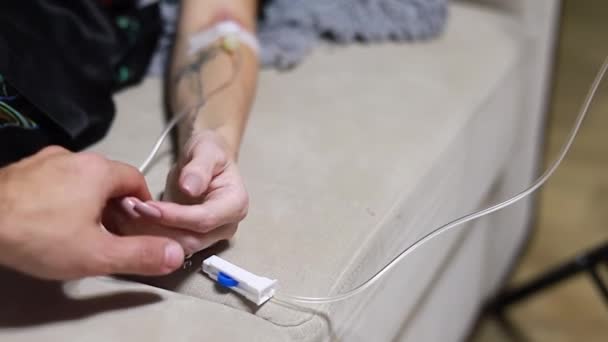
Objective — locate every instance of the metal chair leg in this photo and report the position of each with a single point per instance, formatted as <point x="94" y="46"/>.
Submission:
<point x="599" y="284"/>
<point x="584" y="262"/>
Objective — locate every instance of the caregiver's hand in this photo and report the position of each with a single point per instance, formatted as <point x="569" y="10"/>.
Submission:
<point x="204" y="199"/>
<point x="51" y="207"/>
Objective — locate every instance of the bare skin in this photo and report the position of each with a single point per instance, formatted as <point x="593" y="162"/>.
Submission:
<point x="50" y="228"/>
<point x="205" y="198"/>
<point x="60" y="217"/>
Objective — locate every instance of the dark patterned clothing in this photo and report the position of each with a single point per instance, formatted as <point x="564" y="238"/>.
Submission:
<point x="60" y="64"/>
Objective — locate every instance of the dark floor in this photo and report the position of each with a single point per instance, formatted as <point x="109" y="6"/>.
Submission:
<point x="574" y="206"/>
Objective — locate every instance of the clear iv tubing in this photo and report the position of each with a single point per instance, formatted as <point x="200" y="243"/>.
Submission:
<point x="442" y="229"/>
<point x="236" y="65"/>
<point x="464" y="219"/>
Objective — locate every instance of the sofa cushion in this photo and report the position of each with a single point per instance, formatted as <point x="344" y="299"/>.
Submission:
<point x="104" y="309"/>
<point x="353" y="156"/>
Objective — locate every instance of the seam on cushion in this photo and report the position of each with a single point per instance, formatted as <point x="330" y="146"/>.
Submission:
<point x="434" y="279"/>
<point x="349" y="270"/>
<point x="357" y="255"/>
<point x="392" y="210"/>
<point x="397" y="249"/>
<point x="390" y="214"/>
<point x="354" y="271"/>
<point x="172" y="295"/>
<point x="454" y="247"/>
<point x="517" y="59"/>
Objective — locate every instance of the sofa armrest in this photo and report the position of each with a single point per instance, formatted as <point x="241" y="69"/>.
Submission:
<point x="539" y="20"/>
<point x="521" y="7"/>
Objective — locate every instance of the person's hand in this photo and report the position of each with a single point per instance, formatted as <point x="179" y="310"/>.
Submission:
<point x="51" y="209"/>
<point x="204" y="199"/>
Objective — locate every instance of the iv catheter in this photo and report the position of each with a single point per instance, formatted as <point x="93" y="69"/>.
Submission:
<point x="145" y="165"/>
<point x="260" y="289"/>
<point x="231" y="36"/>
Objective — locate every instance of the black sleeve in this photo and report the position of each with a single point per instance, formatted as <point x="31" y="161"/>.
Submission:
<point x="67" y="58"/>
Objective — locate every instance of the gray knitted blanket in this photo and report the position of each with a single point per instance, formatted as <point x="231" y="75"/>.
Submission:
<point x="289" y="29"/>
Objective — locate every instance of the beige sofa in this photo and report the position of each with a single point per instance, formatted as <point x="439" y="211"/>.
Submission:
<point x="349" y="159"/>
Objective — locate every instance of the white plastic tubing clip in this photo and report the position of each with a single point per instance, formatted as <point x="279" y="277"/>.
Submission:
<point x="204" y="39"/>
<point x="255" y="288"/>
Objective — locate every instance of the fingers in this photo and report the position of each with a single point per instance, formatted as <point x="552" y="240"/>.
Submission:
<point x="128" y="206"/>
<point x="141" y="255"/>
<point x="193" y="243"/>
<point x="147" y="210"/>
<point x="207" y="160"/>
<point x="222" y="233"/>
<point x="201" y="218"/>
<point x="46" y="153"/>
<point x="125" y="180"/>
<point x="114" y="217"/>
<point x="52" y="150"/>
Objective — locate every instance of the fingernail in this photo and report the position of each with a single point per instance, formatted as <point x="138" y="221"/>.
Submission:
<point x="128" y="205"/>
<point x="147" y="210"/>
<point x="192" y="185"/>
<point x="174" y="256"/>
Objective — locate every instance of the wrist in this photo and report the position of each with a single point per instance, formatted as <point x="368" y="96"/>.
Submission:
<point x="225" y="136"/>
<point x="4" y="201"/>
<point x="6" y="224"/>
